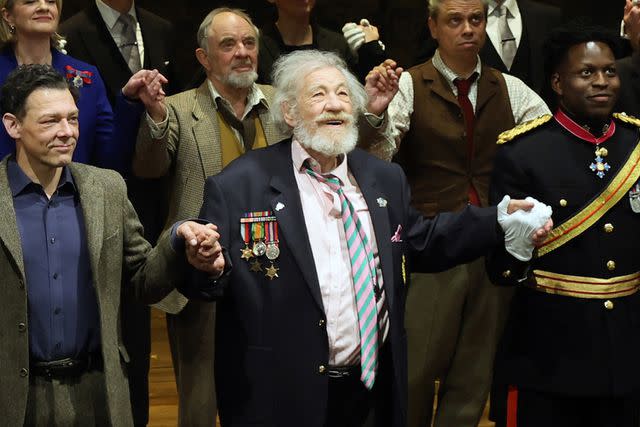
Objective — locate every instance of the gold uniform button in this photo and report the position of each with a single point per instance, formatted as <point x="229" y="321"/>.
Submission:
<point x="321" y="322"/>
<point x="608" y="305"/>
<point x="321" y="369"/>
<point x="24" y="372"/>
<point x="611" y="265"/>
<point x="608" y="228"/>
<point x="563" y="202"/>
<point x="506" y="274"/>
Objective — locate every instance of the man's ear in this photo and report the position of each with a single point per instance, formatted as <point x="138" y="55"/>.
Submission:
<point x="556" y="83"/>
<point x="202" y="58"/>
<point x="12" y="125"/>
<point x="433" y="28"/>
<point x="288" y="112"/>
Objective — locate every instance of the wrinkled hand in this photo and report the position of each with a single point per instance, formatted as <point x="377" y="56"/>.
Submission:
<point x="382" y="85"/>
<point x="631" y="20"/>
<point x="202" y="247"/>
<point x="146" y="86"/>
<point x="370" y="31"/>
<point x="526" y="224"/>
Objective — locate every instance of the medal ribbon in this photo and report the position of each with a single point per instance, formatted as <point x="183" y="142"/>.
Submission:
<point x="578" y="131"/>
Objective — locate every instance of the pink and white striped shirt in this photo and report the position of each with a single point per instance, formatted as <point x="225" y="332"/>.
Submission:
<point x="321" y="210"/>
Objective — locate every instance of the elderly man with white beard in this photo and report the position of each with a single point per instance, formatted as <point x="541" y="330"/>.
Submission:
<point x="321" y="237"/>
<point x="186" y="138"/>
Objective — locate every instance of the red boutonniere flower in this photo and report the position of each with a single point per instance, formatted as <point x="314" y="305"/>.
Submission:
<point x="78" y="78"/>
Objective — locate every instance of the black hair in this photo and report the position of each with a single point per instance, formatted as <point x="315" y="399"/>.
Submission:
<point x="24" y="80"/>
<point x="562" y="39"/>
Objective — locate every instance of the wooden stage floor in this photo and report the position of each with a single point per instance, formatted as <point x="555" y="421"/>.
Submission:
<point x="163" y="400"/>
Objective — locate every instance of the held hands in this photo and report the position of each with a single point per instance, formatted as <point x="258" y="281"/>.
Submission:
<point x="631" y="19"/>
<point x="358" y="34"/>
<point x="202" y="248"/>
<point x="382" y="85"/>
<point x="526" y="224"/>
<point x="146" y="86"/>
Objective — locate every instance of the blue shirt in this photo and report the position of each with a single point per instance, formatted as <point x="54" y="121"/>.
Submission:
<point x="63" y="309"/>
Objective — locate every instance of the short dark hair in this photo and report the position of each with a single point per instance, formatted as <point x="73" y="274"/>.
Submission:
<point x="26" y="79"/>
<point x="562" y="39"/>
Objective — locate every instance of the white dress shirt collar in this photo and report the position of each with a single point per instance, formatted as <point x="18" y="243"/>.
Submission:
<point x="514" y="18"/>
<point x="300" y="155"/>
<point x="110" y="15"/>
<point x="448" y="73"/>
<point x="254" y="98"/>
<point x="511" y="5"/>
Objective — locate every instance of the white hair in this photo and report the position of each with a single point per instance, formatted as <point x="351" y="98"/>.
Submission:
<point x="289" y="72"/>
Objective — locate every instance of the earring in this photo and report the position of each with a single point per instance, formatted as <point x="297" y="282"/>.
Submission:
<point x="12" y="29"/>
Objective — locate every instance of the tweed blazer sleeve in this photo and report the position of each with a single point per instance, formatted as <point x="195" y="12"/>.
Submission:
<point x="149" y="272"/>
<point x="154" y="158"/>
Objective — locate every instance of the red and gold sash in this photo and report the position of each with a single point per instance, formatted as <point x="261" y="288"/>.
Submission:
<point x="600" y="205"/>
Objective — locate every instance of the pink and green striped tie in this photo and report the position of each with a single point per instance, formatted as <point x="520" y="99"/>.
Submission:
<point x="366" y="282"/>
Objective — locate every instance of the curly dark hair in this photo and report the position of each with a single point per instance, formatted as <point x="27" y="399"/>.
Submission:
<point x="24" y="80"/>
<point x="559" y="41"/>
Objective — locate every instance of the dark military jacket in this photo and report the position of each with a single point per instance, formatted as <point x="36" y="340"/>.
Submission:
<point x="585" y="342"/>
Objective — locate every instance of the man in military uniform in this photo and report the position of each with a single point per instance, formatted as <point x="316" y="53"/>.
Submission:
<point x="569" y="355"/>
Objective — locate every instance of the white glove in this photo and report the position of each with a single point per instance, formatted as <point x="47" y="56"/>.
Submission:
<point x="354" y="35"/>
<point x="520" y="225"/>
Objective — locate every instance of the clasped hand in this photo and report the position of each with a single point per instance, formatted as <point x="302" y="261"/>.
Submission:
<point x="526" y="224"/>
<point x="202" y="248"/>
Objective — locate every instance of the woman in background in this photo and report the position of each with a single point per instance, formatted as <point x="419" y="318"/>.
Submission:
<point x="28" y="36"/>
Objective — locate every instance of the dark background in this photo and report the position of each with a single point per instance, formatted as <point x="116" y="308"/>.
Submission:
<point x="402" y="23"/>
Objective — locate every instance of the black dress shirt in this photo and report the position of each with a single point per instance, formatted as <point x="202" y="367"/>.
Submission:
<point x="63" y="309"/>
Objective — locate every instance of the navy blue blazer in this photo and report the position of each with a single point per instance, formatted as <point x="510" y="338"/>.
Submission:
<point x="271" y="334"/>
<point x="101" y="143"/>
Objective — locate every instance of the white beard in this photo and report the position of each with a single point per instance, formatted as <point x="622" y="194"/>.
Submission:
<point x="326" y="141"/>
<point x="241" y="80"/>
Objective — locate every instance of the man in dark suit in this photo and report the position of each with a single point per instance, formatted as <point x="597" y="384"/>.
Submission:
<point x="90" y="39"/>
<point x="310" y="319"/>
<point x="529" y="23"/>
<point x="93" y="36"/>
<point x="71" y="241"/>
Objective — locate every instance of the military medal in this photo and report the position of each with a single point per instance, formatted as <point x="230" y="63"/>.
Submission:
<point x="272" y="251"/>
<point x="260" y="228"/>
<point x="272" y="272"/>
<point x="247" y="253"/>
<point x="599" y="166"/>
<point x="634" y="197"/>
<point x="255" y="266"/>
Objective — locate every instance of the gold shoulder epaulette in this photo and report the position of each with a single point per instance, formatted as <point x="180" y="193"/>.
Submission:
<point x="624" y="117"/>
<point x="523" y="128"/>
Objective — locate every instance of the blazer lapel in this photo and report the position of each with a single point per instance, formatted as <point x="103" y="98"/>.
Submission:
<point x="206" y="132"/>
<point x="378" y="210"/>
<point x="291" y="221"/>
<point x="9" y="234"/>
<point x="113" y="68"/>
<point x="92" y="202"/>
